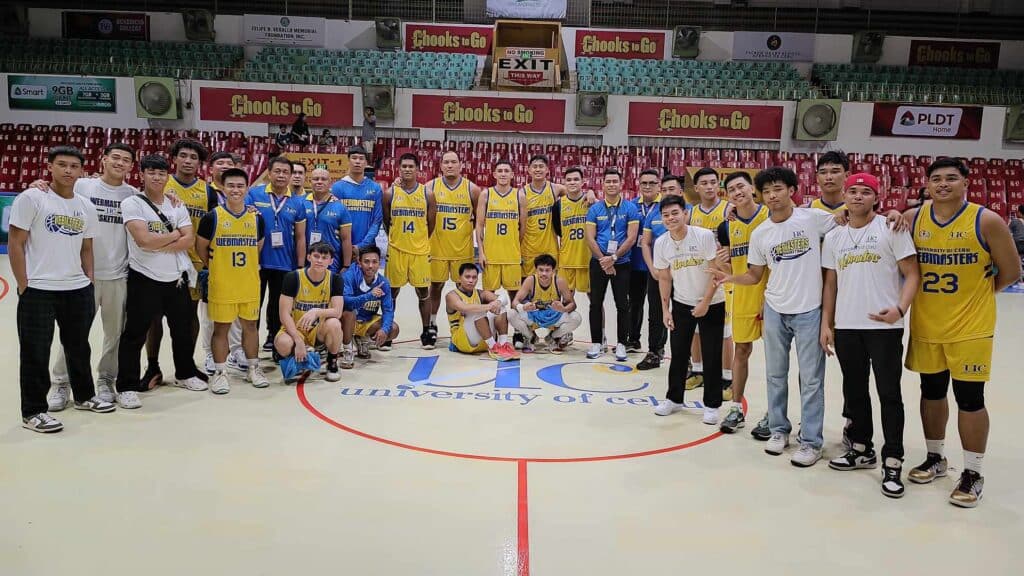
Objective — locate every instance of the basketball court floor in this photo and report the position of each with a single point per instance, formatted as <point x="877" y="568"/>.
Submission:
<point x="431" y="463"/>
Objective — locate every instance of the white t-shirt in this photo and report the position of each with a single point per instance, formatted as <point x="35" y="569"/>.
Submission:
<point x="687" y="259"/>
<point x="792" y="251"/>
<point x="56" y="227"/>
<point x="160" y="266"/>
<point x="867" y="270"/>
<point x="110" y="248"/>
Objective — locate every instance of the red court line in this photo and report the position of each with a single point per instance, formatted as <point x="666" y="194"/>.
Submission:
<point x="522" y="522"/>
<point x="5" y="288"/>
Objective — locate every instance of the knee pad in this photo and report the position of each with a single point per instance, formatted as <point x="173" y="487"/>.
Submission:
<point x="934" y="386"/>
<point x="970" y="396"/>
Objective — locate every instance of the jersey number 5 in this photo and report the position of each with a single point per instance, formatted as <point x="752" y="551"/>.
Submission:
<point x="950" y="283"/>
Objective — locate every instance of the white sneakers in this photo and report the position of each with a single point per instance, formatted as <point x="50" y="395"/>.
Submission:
<point x="667" y="407"/>
<point x="806" y="456"/>
<point x="237" y="361"/>
<point x="595" y="351"/>
<point x="194" y="384"/>
<point x="777" y="443"/>
<point x="211" y="366"/>
<point x="710" y="416"/>
<point x="105" y="390"/>
<point x="59" y="397"/>
<point x="348" y="356"/>
<point x="219" y="383"/>
<point x="620" y="352"/>
<point x="257" y="377"/>
<point x="129" y="400"/>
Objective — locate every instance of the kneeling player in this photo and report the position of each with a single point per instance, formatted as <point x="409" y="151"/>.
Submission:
<point x="545" y="301"/>
<point x="311" y="307"/>
<point x="474" y="317"/>
<point x="369" y="308"/>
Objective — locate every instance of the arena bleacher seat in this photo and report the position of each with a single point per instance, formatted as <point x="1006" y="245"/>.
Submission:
<point x="426" y="70"/>
<point x="938" y="85"/>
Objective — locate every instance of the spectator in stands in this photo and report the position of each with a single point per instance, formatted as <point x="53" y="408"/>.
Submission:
<point x="915" y="201"/>
<point x="239" y="162"/>
<point x="283" y="138"/>
<point x="369" y="130"/>
<point x="325" y="138"/>
<point x="300" y="130"/>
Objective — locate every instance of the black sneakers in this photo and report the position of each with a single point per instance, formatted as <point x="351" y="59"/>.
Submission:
<point x="855" y="459"/>
<point x="634" y="347"/>
<point x="892" y="483"/>
<point x="761" y="431"/>
<point x="428" y="339"/>
<point x="650" y="362"/>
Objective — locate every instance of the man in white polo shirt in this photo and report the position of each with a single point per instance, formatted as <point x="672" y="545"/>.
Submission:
<point x="50" y="247"/>
<point x="110" y="251"/>
<point x="862" y="316"/>
<point x="159" y="275"/>
<point x="689" y="298"/>
<point x="789" y="244"/>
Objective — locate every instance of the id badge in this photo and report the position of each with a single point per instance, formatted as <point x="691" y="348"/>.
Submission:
<point x="277" y="239"/>
<point x="613" y="245"/>
<point x="314" y="237"/>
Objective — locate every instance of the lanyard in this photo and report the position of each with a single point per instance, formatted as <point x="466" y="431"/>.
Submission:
<point x="277" y="210"/>
<point x="316" y="213"/>
<point x="645" y="209"/>
<point x="614" y="213"/>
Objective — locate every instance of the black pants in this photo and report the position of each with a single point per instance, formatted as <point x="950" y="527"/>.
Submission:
<point x="712" y="326"/>
<point x="149" y="299"/>
<point x="656" y="332"/>
<point x="620" y="292"/>
<point x="637" y="299"/>
<point x="270" y="281"/>
<point x="882" y="352"/>
<point x="73" y="311"/>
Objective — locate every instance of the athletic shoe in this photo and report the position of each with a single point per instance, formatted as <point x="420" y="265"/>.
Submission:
<point x="268" y="346"/>
<point x="362" y="348"/>
<point x="620" y="352"/>
<point x="427" y="340"/>
<point x="237" y="361"/>
<point x="332" y="369"/>
<point x="200" y="374"/>
<point x="733" y="421"/>
<point x="129" y="400"/>
<point x="385" y="347"/>
<point x="805" y="456"/>
<point x="650" y="362"/>
<point x="496" y="353"/>
<point x="727" y="393"/>
<point x="777" y="443"/>
<point x="194" y="384"/>
<point x="595" y="351"/>
<point x="152" y="378"/>
<point x="509" y="352"/>
<point x="528" y="348"/>
<point x="59" y="397"/>
<point x="892" y="484"/>
<point x="257" y="377"/>
<point x="219" y="383"/>
<point x="694" y="380"/>
<point x="761" y="431"/>
<point x="855" y="459"/>
<point x="667" y="407"/>
<point x="634" y="347"/>
<point x="934" y="466"/>
<point x="211" y="366"/>
<point x="967" y="493"/>
<point x="105" y="390"/>
<point x="710" y="416"/>
<point x="43" y="423"/>
<point x="348" y="357"/>
<point x="94" y="404"/>
<point x="518" y="341"/>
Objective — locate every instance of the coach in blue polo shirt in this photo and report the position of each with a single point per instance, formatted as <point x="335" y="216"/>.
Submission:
<point x="284" y="232"/>
<point x="327" y="220"/>
<point x="612" y="226"/>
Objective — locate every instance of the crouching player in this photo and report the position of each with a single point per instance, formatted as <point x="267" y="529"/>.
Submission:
<point x="311" y="307"/>
<point x="545" y="301"/>
<point x="369" y="309"/>
<point x="477" y="318"/>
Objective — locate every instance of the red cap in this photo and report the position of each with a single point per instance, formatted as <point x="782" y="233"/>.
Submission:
<point x="861" y="179"/>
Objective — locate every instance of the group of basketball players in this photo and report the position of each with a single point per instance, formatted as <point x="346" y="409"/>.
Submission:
<point x="206" y="254"/>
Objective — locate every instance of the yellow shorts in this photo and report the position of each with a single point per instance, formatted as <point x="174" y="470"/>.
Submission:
<point x="969" y="360"/>
<point x="228" y="313"/>
<point x="403" y="268"/>
<point x="578" y="278"/>
<point x="308" y="338"/>
<point x="444" y="270"/>
<point x="507" y="276"/>
<point x="746" y="329"/>
<point x="460" y="341"/>
<point x="362" y="329"/>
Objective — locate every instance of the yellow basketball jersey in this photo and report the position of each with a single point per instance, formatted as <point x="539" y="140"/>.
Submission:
<point x="195" y="200"/>
<point x="311" y="295"/>
<point x="956" y="300"/>
<point x="747" y="301"/>
<point x="540" y="233"/>
<point x="543" y="297"/>
<point x="710" y="219"/>
<point x="234" y="258"/>
<point x="453" y="229"/>
<point x="573" y="251"/>
<point x="456" y="321"/>
<point x="409" y="221"/>
<point x="821" y="205"/>
<point x="501" y="228"/>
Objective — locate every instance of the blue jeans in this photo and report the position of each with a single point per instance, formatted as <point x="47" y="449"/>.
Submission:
<point x="778" y="333"/>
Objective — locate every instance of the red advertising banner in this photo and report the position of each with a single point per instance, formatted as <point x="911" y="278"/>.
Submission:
<point x="954" y="54"/>
<point x="275" y="106"/>
<point x="705" y="121"/>
<point x="439" y="38"/>
<point x="627" y="45"/>
<point x="909" y="121"/>
<point x="488" y="113"/>
<point x="105" y="25"/>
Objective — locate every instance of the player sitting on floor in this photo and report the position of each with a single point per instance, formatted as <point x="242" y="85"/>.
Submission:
<point x="545" y="301"/>
<point x="475" y="316"/>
